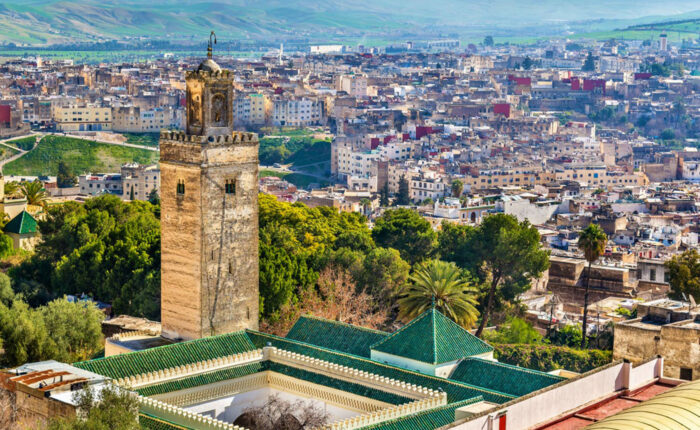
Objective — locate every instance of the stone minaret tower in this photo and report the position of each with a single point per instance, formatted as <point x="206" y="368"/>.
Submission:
<point x="209" y="215"/>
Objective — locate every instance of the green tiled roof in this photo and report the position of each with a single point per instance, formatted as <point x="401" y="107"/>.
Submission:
<point x="432" y="338"/>
<point x="163" y="357"/>
<point x="455" y="390"/>
<point x="23" y="223"/>
<point x="249" y="369"/>
<point x="339" y="384"/>
<point x="502" y="377"/>
<point x="202" y="379"/>
<point x="149" y="422"/>
<point x="431" y="419"/>
<point x="335" y="335"/>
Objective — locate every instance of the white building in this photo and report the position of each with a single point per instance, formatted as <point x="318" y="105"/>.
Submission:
<point x="297" y="112"/>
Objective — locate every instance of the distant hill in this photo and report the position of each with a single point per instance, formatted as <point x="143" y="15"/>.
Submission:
<point x="56" y="21"/>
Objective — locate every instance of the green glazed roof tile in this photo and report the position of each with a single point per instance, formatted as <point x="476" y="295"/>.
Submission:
<point x="502" y="377"/>
<point x="23" y="223"/>
<point x="249" y="369"/>
<point x="432" y="338"/>
<point x="164" y="357"/>
<point x="431" y="419"/>
<point x="149" y="422"/>
<point x="455" y="390"/>
<point x="335" y="335"/>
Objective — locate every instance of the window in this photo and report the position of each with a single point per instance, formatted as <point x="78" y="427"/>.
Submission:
<point x="686" y="374"/>
<point x="652" y="274"/>
<point x="230" y="186"/>
<point x="180" y="187"/>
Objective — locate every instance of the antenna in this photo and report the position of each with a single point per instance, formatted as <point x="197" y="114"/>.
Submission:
<point x="210" y="46"/>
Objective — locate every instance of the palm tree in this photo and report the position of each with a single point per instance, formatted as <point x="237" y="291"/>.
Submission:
<point x="34" y="192"/>
<point x="591" y="241"/>
<point x="11" y="188"/>
<point x="443" y="285"/>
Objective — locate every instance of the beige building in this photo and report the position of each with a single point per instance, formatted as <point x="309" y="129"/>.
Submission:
<point x="82" y="118"/>
<point x="209" y="215"/>
<point x="662" y="327"/>
<point x="508" y="177"/>
<point x="598" y="175"/>
<point x="298" y="112"/>
<point x="133" y="119"/>
<point x="354" y="85"/>
<point x="138" y="181"/>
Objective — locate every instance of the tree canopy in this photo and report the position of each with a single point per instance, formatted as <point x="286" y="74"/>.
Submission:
<point x="109" y="409"/>
<point x="65" y="178"/>
<point x="684" y="275"/>
<point x="106" y="248"/>
<point x="443" y="285"/>
<point x="503" y="253"/>
<point x="406" y="231"/>
<point x="61" y="330"/>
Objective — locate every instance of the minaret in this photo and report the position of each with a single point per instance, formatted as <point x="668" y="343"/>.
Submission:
<point x="209" y="214"/>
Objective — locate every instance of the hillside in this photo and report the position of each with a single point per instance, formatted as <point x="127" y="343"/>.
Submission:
<point x="41" y="22"/>
<point x="82" y="156"/>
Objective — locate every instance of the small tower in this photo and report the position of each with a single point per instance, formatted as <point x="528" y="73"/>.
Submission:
<point x="209" y="214"/>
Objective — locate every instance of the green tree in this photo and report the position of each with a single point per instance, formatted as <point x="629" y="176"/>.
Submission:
<point x="403" y="197"/>
<point x="60" y="331"/>
<point x="443" y="285"/>
<point x="75" y="328"/>
<point x="527" y="63"/>
<point x="668" y="134"/>
<point x="457" y="187"/>
<point x="296" y="242"/>
<point x="65" y="178"/>
<point x="516" y="331"/>
<point x="382" y="274"/>
<point x="107" y="248"/>
<point x="11" y="188"/>
<point x="109" y="409"/>
<point x="24" y="335"/>
<point x="488" y="41"/>
<point x="684" y="275"/>
<point x="153" y="197"/>
<point x="34" y="193"/>
<point x="591" y="241"/>
<point x="7" y="295"/>
<point x="7" y="246"/>
<point x="569" y="335"/>
<point x="508" y="255"/>
<point x="589" y="63"/>
<point x="406" y="231"/>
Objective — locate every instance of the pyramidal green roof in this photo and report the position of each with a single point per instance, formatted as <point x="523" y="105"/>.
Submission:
<point x="23" y="223"/>
<point x="432" y="338"/>
<point x="335" y="335"/>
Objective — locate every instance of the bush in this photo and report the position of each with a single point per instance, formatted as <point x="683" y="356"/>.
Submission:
<point x="547" y="357"/>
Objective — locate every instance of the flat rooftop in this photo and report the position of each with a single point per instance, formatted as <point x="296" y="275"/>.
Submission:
<point x="591" y="414"/>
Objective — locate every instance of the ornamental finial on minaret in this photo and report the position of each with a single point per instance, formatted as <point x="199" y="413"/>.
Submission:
<point x="210" y="46"/>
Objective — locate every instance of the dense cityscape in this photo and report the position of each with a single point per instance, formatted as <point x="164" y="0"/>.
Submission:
<point x="423" y="234"/>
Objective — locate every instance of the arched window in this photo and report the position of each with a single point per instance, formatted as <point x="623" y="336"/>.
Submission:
<point x="180" y="187"/>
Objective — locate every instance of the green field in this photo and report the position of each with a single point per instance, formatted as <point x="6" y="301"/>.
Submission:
<point x="144" y="139"/>
<point x="6" y="152"/>
<point x="298" y="179"/>
<point x="24" y="143"/>
<point x="83" y="156"/>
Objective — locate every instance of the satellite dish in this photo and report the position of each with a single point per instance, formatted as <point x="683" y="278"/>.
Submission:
<point x="685" y="298"/>
<point x="692" y="300"/>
